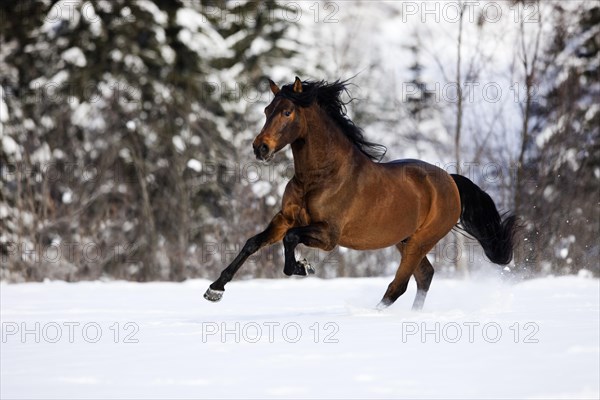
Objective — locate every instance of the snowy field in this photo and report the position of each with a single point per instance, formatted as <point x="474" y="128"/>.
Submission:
<point x="301" y="338"/>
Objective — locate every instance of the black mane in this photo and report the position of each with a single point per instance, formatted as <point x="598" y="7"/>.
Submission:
<point x="327" y="95"/>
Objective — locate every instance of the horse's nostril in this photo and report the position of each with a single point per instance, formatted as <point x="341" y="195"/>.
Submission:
<point x="263" y="150"/>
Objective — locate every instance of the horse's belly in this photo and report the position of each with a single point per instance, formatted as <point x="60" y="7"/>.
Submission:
<point x="371" y="231"/>
<point x="368" y="243"/>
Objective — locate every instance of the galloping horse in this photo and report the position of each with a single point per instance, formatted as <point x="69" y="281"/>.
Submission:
<point x="341" y="195"/>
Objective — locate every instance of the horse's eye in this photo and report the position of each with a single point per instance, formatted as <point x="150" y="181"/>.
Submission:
<point x="287" y="113"/>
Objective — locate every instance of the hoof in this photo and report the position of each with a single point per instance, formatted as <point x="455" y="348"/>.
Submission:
<point x="383" y="304"/>
<point x="213" y="295"/>
<point x="303" y="268"/>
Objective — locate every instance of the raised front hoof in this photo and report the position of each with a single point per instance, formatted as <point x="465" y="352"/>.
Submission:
<point x="303" y="268"/>
<point x="213" y="295"/>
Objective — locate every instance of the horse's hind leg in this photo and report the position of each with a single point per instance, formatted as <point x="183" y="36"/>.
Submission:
<point x="414" y="262"/>
<point x="423" y="275"/>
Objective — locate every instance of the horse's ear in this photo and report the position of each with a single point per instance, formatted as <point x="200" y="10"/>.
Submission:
<point x="298" y="85"/>
<point x="274" y="88"/>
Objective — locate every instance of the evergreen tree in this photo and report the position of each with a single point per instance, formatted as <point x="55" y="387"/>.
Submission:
<point x="563" y="169"/>
<point x="113" y="138"/>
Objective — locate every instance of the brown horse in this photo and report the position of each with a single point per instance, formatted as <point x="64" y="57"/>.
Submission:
<point x="341" y="195"/>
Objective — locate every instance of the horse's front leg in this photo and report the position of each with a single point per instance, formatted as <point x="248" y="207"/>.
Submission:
<point x="274" y="233"/>
<point x="320" y="234"/>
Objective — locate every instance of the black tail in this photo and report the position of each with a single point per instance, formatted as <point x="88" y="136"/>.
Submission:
<point x="480" y="218"/>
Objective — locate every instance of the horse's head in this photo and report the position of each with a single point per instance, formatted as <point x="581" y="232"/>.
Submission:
<point x="283" y="125"/>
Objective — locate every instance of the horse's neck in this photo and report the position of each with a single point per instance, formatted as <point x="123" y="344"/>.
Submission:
<point x="323" y="150"/>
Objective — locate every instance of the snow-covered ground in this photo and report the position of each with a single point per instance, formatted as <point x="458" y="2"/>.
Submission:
<point x="301" y="338"/>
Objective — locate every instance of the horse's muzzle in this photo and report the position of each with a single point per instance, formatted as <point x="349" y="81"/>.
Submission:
<point x="262" y="151"/>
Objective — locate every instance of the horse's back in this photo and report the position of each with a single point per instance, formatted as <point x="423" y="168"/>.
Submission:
<point x="419" y="170"/>
<point x="411" y="162"/>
